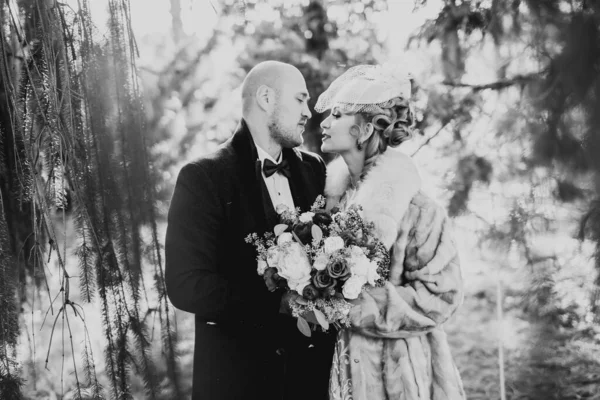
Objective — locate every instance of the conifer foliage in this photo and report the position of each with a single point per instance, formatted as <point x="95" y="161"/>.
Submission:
<point x="72" y="146"/>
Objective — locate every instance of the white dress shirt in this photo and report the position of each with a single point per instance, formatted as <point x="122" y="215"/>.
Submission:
<point x="277" y="184"/>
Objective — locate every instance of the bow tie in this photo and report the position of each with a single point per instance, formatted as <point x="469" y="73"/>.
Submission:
<point x="269" y="168"/>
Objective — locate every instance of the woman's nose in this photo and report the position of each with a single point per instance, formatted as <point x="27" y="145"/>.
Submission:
<point x="325" y="123"/>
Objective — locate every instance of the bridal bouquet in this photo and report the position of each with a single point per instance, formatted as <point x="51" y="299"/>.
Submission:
<point x="326" y="257"/>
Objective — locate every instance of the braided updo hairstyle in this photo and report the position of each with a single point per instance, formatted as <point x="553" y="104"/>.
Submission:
<point x="393" y="123"/>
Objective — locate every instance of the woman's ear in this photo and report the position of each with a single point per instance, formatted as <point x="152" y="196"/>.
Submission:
<point x="369" y="129"/>
<point x="366" y="133"/>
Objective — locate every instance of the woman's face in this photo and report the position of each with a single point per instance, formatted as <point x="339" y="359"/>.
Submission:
<point x="336" y="132"/>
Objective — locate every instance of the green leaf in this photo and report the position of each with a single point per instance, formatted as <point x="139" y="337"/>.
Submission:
<point x="279" y="229"/>
<point x="304" y="327"/>
<point x="301" y="300"/>
<point x="321" y="319"/>
<point x="317" y="233"/>
<point x="297" y="238"/>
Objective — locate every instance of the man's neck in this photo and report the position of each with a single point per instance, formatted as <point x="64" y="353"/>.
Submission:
<point x="272" y="149"/>
<point x="262" y="138"/>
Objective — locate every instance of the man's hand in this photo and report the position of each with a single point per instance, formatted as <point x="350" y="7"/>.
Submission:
<point x="285" y="307"/>
<point x="273" y="280"/>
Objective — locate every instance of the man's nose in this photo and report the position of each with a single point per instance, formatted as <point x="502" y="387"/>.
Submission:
<point x="306" y="111"/>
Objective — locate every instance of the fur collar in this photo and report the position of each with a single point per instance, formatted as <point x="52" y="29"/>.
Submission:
<point x="385" y="193"/>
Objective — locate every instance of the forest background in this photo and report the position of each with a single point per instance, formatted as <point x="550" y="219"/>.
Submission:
<point x="102" y="103"/>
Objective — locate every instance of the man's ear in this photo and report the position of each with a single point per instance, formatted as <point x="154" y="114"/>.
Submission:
<point x="265" y="98"/>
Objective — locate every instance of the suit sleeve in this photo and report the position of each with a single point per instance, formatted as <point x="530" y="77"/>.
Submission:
<point x="432" y="288"/>
<point x="194" y="231"/>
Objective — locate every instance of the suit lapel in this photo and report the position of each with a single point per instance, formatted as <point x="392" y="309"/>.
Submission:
<point x="251" y="182"/>
<point x="254" y="190"/>
<point x="271" y="216"/>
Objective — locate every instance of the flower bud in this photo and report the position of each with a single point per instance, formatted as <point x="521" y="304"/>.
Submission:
<point x="310" y="292"/>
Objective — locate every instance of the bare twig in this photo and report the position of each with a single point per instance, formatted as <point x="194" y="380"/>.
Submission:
<point x="430" y="138"/>
<point x="498" y="85"/>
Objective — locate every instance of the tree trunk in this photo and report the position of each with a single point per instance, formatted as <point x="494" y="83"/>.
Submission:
<point x="177" y="23"/>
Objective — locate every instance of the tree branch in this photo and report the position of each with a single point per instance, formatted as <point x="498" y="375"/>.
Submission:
<point x="430" y="138"/>
<point x="498" y="85"/>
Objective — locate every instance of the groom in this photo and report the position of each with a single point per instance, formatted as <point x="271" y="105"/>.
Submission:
<point x="244" y="348"/>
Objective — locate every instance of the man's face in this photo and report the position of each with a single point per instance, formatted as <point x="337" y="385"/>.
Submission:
<point x="291" y="112"/>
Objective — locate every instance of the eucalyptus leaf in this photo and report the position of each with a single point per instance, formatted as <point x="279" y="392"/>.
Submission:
<point x="297" y="238"/>
<point x="321" y="319"/>
<point x="304" y="327"/>
<point x="317" y="233"/>
<point x="279" y="229"/>
<point x="301" y="300"/>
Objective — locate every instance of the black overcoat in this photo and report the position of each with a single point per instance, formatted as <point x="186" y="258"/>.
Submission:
<point x="244" y="349"/>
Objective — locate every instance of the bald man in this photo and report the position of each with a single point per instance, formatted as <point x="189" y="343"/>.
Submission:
<point x="245" y="348"/>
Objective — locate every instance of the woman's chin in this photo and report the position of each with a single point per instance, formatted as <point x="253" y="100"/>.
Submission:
<point x="325" y="148"/>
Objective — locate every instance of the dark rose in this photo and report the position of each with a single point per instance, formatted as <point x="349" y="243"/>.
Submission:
<point x="303" y="232"/>
<point x="310" y="292"/>
<point x="322" y="218"/>
<point x="338" y="269"/>
<point x="323" y="280"/>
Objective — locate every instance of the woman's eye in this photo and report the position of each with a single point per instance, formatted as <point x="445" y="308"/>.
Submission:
<point x="336" y="116"/>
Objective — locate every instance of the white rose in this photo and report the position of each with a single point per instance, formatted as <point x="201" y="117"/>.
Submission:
<point x="372" y="274"/>
<point x="353" y="287"/>
<point x="281" y="208"/>
<point x="333" y="243"/>
<point x="321" y="261"/>
<point x="262" y="266"/>
<point x="274" y="255"/>
<point x="285" y="237"/>
<point x="307" y="217"/>
<point x="357" y="252"/>
<point x="360" y="266"/>
<point x="294" y="266"/>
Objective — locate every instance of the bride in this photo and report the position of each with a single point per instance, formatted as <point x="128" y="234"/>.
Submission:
<point x="396" y="347"/>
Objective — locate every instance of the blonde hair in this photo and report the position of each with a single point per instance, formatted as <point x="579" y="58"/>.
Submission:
<point x="393" y="123"/>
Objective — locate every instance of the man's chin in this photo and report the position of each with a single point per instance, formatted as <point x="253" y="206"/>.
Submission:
<point x="290" y="144"/>
<point x="298" y="140"/>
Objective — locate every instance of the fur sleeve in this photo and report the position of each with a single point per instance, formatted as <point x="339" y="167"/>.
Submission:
<point x="432" y="288"/>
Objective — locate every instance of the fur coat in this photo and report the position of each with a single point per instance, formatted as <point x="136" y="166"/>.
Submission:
<point x="396" y="347"/>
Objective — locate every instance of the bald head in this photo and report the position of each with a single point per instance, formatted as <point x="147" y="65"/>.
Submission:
<point x="273" y="74"/>
<point x="275" y="106"/>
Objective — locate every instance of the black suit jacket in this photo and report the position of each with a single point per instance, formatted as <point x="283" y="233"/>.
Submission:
<point x="244" y="348"/>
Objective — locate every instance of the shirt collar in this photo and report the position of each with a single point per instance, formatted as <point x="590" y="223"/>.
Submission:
<point x="262" y="155"/>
